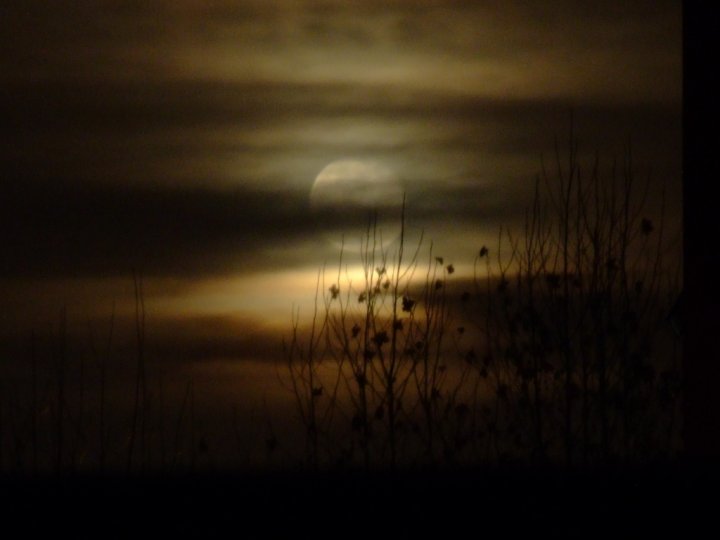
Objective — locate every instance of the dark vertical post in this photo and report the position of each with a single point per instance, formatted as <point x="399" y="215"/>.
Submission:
<point x="701" y="269"/>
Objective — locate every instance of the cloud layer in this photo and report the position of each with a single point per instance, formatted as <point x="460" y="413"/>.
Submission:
<point x="183" y="138"/>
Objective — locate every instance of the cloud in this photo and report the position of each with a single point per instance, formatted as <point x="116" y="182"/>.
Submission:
<point x="67" y="229"/>
<point x="197" y="177"/>
<point x="223" y="132"/>
<point x="619" y="51"/>
<point x="204" y="338"/>
<point x="184" y="137"/>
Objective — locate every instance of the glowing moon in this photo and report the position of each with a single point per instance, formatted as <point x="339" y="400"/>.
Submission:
<point x="356" y="183"/>
<point x="347" y="192"/>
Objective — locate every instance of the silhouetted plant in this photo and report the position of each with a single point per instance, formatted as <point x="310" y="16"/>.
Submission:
<point x="55" y="415"/>
<point x="378" y="346"/>
<point x="556" y="353"/>
<point x="573" y="320"/>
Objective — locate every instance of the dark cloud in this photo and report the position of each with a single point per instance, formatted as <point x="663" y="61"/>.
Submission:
<point x="177" y="339"/>
<point x="67" y="229"/>
<point x="91" y="169"/>
<point x="70" y="230"/>
<point x="182" y="138"/>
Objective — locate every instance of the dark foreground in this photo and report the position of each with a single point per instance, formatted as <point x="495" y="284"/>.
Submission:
<point x="635" y="502"/>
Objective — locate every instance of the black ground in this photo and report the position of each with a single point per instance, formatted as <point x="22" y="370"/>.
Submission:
<point x="617" y="502"/>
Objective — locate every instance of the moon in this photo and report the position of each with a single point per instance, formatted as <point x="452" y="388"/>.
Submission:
<point x="348" y="192"/>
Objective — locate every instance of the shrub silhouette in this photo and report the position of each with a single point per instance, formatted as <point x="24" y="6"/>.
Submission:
<point x="556" y="349"/>
<point x="379" y="348"/>
<point x="57" y="415"/>
<point x="576" y="330"/>
<point x="561" y="351"/>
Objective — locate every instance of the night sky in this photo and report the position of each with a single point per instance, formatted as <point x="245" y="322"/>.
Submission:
<point x="181" y="139"/>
